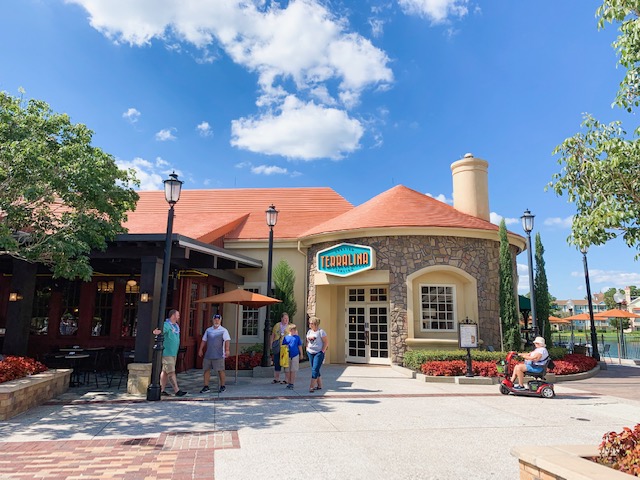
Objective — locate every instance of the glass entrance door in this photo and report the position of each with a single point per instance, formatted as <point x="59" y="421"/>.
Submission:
<point x="367" y="327"/>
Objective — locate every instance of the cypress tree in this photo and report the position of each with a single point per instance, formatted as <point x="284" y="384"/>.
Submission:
<point x="284" y="279"/>
<point x="542" y="293"/>
<point x="508" y="308"/>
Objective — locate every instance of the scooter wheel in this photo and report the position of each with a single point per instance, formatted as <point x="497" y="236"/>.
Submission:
<point x="504" y="390"/>
<point x="547" y="392"/>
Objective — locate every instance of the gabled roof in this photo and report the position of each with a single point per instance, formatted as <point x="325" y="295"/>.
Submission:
<point x="401" y="207"/>
<point x="237" y="214"/>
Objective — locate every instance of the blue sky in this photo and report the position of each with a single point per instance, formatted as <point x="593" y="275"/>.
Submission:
<point x="358" y="96"/>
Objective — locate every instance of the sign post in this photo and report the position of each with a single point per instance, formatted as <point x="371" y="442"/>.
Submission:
<point x="468" y="338"/>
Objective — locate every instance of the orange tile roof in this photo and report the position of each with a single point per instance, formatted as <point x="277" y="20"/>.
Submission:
<point x="237" y="213"/>
<point x="401" y="207"/>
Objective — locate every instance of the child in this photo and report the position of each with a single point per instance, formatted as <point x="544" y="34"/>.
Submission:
<point x="293" y="342"/>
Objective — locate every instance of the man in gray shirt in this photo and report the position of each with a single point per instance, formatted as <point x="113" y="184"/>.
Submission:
<point x="215" y="341"/>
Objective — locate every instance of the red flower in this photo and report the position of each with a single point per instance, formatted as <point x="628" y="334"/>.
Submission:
<point x="17" y="367"/>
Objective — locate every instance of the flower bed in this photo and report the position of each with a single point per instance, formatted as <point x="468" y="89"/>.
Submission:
<point x="484" y="367"/>
<point x="246" y="361"/>
<point x="12" y="368"/>
<point x="621" y="451"/>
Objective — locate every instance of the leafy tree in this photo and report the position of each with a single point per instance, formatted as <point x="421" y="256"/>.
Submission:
<point x="600" y="165"/>
<point x="615" y="323"/>
<point x="284" y="279"/>
<point x="542" y="293"/>
<point x="508" y="306"/>
<point x="608" y="298"/>
<point x="60" y="197"/>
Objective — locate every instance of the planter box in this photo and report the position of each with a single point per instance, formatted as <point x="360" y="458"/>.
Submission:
<point x="563" y="462"/>
<point x="20" y="395"/>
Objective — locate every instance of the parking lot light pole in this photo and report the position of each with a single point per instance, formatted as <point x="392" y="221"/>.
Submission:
<point x="272" y="219"/>
<point x="172" y="188"/>
<point x="594" y="336"/>
<point x="527" y="225"/>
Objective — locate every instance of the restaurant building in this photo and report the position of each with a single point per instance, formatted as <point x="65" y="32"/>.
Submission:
<point x="398" y="272"/>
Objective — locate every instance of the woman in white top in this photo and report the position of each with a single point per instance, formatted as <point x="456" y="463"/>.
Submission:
<point x="534" y="362"/>
<point x="317" y="344"/>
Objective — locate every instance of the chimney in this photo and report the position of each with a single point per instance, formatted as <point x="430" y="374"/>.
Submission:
<point x="471" y="186"/>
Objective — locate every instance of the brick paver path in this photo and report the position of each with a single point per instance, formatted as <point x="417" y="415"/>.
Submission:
<point x="171" y="456"/>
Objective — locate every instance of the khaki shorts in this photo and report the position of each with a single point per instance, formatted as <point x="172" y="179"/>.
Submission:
<point x="215" y="364"/>
<point x="294" y="364"/>
<point x="168" y="364"/>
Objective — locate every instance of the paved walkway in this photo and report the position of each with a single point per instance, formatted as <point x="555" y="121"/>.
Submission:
<point x="367" y="423"/>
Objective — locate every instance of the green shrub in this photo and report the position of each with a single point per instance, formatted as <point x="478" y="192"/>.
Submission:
<point x="255" y="348"/>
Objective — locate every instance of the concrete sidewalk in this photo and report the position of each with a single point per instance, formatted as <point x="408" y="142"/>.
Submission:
<point x="367" y="423"/>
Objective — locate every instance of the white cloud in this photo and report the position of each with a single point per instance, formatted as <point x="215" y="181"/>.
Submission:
<point x="496" y="218"/>
<point x="204" y="129"/>
<point x="441" y="197"/>
<point x="148" y="173"/>
<point x="299" y="50"/>
<point x="559" y="222"/>
<point x="602" y="280"/>
<point x="132" y="115"/>
<point x="327" y="132"/>
<point x="437" y="11"/>
<point x="523" y="278"/>
<point x="268" y="170"/>
<point x="166" y="134"/>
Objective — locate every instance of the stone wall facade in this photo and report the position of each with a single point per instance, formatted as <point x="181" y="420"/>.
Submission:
<point x="404" y="255"/>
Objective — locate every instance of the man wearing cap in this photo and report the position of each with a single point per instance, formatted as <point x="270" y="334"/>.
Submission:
<point x="215" y="341"/>
<point x="533" y="362"/>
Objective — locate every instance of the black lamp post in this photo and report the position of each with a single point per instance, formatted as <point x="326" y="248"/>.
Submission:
<point x="527" y="225"/>
<point x="272" y="219"/>
<point x="172" y="188"/>
<point x="594" y="336"/>
<point x="570" y="306"/>
<point x="619" y="298"/>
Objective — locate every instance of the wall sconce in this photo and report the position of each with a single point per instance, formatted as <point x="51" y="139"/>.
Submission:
<point x="14" y="297"/>
<point x="145" y="297"/>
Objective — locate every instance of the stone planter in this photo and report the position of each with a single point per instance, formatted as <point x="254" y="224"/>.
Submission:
<point x="563" y="462"/>
<point x="20" y="395"/>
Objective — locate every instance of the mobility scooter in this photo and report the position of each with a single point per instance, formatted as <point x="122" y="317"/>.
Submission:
<point x="538" y="387"/>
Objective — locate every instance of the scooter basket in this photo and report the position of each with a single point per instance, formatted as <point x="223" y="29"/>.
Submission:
<point x="501" y="365"/>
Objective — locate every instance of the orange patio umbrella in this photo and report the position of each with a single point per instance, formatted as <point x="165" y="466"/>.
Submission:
<point x="240" y="297"/>
<point x="616" y="313"/>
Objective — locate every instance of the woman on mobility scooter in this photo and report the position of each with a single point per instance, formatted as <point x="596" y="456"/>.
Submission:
<point x="534" y="362"/>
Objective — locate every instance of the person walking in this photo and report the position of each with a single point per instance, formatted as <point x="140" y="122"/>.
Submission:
<point x="216" y="341"/>
<point x="171" y="333"/>
<point x="294" y="346"/>
<point x="280" y="330"/>
<point x="317" y="344"/>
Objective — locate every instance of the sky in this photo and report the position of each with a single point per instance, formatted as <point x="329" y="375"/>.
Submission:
<point x="358" y="95"/>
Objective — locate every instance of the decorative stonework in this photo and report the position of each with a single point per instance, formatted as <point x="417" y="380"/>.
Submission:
<point x="404" y="255"/>
<point x="20" y="395"/>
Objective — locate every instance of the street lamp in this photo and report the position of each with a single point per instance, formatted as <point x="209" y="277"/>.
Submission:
<point x="594" y="336"/>
<point x="570" y="306"/>
<point x="527" y="225"/>
<point x="272" y="219"/>
<point x="172" y="188"/>
<point x="619" y="298"/>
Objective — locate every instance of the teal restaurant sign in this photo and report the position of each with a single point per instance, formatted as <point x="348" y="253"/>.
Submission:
<point x="345" y="259"/>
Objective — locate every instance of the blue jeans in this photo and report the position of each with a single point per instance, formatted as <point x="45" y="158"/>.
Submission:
<point x="315" y="360"/>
